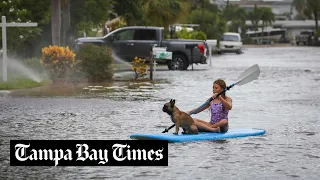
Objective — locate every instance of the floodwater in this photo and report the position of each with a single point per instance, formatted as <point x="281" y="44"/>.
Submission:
<point x="285" y="101"/>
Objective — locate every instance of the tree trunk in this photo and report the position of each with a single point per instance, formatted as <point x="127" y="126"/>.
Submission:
<point x="256" y="28"/>
<point x="65" y="24"/>
<point x="262" y="29"/>
<point x="315" y="13"/>
<point x="56" y="21"/>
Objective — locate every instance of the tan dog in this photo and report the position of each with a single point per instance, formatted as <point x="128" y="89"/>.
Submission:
<point x="181" y="119"/>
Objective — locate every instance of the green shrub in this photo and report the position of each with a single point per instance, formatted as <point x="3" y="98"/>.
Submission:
<point x="318" y="33"/>
<point x="184" y="34"/>
<point x="96" y="62"/>
<point x="247" y="40"/>
<point x="199" y="35"/>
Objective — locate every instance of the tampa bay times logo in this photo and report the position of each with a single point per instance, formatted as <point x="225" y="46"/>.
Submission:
<point x="88" y="153"/>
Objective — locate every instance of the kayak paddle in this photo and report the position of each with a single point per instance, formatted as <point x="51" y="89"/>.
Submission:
<point x="247" y="76"/>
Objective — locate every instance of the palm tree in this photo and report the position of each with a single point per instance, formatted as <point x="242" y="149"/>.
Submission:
<point x="299" y="5"/>
<point x="162" y="13"/>
<point x="255" y="17"/>
<point x="267" y="17"/>
<point x="237" y="16"/>
<point x="56" y="21"/>
<point x="314" y="6"/>
<point x="129" y="10"/>
<point x="309" y="8"/>
<point x="65" y="7"/>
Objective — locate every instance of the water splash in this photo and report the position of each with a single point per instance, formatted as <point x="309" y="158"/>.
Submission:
<point x="119" y="60"/>
<point x="19" y="68"/>
<point x="125" y="74"/>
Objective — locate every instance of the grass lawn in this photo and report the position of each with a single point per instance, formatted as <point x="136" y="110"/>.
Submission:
<point x="19" y="83"/>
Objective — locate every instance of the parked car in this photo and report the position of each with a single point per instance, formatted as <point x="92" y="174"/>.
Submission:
<point x="230" y="42"/>
<point x="304" y="37"/>
<point x="129" y="42"/>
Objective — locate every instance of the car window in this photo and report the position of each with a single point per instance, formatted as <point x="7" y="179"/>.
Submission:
<point x="145" y="34"/>
<point x="230" y="38"/>
<point x="125" y="35"/>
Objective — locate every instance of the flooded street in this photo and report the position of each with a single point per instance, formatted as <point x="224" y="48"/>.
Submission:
<point x="285" y="101"/>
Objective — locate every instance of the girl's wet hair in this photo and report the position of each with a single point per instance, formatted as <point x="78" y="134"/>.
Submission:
<point x="222" y="84"/>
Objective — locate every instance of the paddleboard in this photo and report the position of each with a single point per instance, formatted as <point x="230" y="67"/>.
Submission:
<point x="210" y="136"/>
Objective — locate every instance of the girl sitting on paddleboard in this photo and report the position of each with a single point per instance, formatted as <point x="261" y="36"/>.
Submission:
<point x="219" y="108"/>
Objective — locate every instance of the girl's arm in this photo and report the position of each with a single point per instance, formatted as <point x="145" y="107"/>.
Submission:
<point x="199" y="109"/>
<point x="227" y="103"/>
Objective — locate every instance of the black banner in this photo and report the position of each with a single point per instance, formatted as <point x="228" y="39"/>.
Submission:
<point x="88" y="153"/>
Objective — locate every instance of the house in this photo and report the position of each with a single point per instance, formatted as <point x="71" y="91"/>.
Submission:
<point x="283" y="9"/>
<point x="292" y="27"/>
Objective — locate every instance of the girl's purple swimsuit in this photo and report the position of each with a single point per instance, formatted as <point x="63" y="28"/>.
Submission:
<point x="217" y="113"/>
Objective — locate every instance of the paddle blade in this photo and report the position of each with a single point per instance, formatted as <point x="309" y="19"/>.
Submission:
<point x="249" y="75"/>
